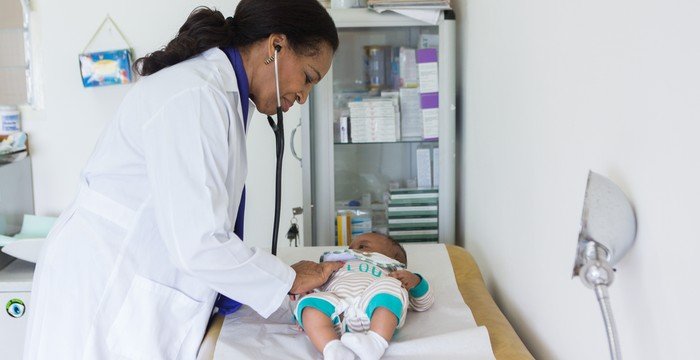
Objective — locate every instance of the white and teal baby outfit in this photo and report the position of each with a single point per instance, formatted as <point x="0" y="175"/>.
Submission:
<point x="361" y="286"/>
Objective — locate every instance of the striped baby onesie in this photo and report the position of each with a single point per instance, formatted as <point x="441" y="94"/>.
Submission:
<point x="351" y="295"/>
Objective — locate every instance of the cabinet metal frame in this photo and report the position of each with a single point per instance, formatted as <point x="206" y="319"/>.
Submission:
<point x="319" y="185"/>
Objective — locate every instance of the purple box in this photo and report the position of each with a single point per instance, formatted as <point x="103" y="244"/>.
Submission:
<point x="426" y="55"/>
<point x="429" y="100"/>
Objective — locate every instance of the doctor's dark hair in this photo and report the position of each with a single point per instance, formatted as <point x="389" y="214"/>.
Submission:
<point x="305" y="23"/>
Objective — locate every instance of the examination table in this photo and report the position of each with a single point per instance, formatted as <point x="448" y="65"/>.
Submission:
<point x="505" y="342"/>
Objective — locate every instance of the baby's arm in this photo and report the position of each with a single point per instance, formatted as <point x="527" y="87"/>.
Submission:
<point x="420" y="293"/>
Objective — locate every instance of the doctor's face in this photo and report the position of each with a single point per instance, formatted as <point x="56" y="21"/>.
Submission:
<point x="297" y="76"/>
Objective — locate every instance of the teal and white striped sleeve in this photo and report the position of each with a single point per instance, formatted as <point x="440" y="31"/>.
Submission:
<point x="421" y="297"/>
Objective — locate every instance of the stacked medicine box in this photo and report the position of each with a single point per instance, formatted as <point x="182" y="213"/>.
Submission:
<point x="413" y="215"/>
<point x="374" y="120"/>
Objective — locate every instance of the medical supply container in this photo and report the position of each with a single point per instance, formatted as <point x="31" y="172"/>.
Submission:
<point x="9" y="119"/>
<point x="16" y="200"/>
<point x="15" y="290"/>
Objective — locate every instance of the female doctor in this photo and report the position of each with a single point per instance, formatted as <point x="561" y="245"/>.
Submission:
<point x="132" y="268"/>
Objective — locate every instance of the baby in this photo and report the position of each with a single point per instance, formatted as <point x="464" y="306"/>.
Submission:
<point x="365" y="300"/>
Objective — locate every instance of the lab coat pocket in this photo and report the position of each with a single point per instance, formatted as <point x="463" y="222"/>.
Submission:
<point x="152" y="322"/>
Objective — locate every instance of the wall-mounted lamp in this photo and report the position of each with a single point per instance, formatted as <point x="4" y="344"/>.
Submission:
<point x="608" y="230"/>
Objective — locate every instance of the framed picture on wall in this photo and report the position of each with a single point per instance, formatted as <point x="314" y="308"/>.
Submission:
<point x="106" y="67"/>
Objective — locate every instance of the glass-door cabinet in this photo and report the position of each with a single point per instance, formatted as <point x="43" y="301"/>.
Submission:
<point x="381" y="150"/>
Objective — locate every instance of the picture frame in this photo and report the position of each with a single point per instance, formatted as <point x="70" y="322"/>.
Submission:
<point x="102" y="68"/>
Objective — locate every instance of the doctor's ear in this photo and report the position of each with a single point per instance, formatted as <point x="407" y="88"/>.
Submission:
<point x="270" y="59"/>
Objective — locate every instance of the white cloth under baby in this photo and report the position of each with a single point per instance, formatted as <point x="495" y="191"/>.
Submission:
<point x="446" y="331"/>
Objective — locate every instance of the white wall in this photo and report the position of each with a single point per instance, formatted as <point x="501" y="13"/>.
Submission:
<point x="63" y="131"/>
<point x="553" y="89"/>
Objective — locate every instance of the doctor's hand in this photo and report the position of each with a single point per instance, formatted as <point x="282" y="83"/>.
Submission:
<point x="311" y="275"/>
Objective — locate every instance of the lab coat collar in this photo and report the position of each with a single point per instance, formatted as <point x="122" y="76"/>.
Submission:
<point x="228" y="77"/>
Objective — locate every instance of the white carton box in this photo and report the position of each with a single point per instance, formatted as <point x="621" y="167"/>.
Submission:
<point x="423" y="168"/>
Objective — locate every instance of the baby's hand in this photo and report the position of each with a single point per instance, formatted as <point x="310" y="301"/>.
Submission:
<point x="408" y="279"/>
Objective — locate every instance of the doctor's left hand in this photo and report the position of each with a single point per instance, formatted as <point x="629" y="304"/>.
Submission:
<point x="311" y="275"/>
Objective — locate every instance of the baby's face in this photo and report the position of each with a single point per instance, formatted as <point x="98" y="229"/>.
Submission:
<point x="374" y="243"/>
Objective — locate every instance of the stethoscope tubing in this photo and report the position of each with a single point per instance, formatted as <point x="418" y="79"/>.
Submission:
<point x="278" y="130"/>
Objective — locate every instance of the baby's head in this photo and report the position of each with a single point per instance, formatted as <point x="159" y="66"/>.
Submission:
<point x="374" y="242"/>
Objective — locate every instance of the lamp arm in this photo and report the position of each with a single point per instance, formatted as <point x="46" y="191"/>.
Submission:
<point x="601" y="292"/>
<point x="597" y="274"/>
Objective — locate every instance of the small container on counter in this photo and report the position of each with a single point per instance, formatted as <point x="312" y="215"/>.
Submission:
<point x="9" y="119"/>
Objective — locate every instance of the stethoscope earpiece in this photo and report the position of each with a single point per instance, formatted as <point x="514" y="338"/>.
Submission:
<point x="278" y="48"/>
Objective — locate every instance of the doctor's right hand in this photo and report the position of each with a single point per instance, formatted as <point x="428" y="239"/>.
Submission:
<point x="311" y="275"/>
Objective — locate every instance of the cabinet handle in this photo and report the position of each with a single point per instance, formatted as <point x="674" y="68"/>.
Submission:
<point x="291" y="142"/>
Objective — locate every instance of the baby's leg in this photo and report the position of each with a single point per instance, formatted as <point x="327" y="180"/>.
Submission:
<point x="372" y="344"/>
<point x="318" y="327"/>
<point x="384" y="323"/>
<point x="317" y="314"/>
<point x="385" y="304"/>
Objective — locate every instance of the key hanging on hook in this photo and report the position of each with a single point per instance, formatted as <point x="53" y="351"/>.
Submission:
<point x="293" y="232"/>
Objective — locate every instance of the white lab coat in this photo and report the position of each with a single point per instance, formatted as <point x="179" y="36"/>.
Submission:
<point x="132" y="267"/>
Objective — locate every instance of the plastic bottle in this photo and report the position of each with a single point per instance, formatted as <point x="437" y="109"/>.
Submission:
<point x="9" y="119"/>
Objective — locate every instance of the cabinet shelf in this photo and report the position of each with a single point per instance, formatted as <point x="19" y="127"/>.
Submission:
<point x="430" y="142"/>
<point x="363" y="17"/>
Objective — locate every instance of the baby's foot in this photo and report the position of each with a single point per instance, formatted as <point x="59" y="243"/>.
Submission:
<point x="369" y="346"/>
<point x="335" y="350"/>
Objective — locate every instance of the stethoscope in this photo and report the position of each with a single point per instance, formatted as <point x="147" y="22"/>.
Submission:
<point x="278" y="130"/>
